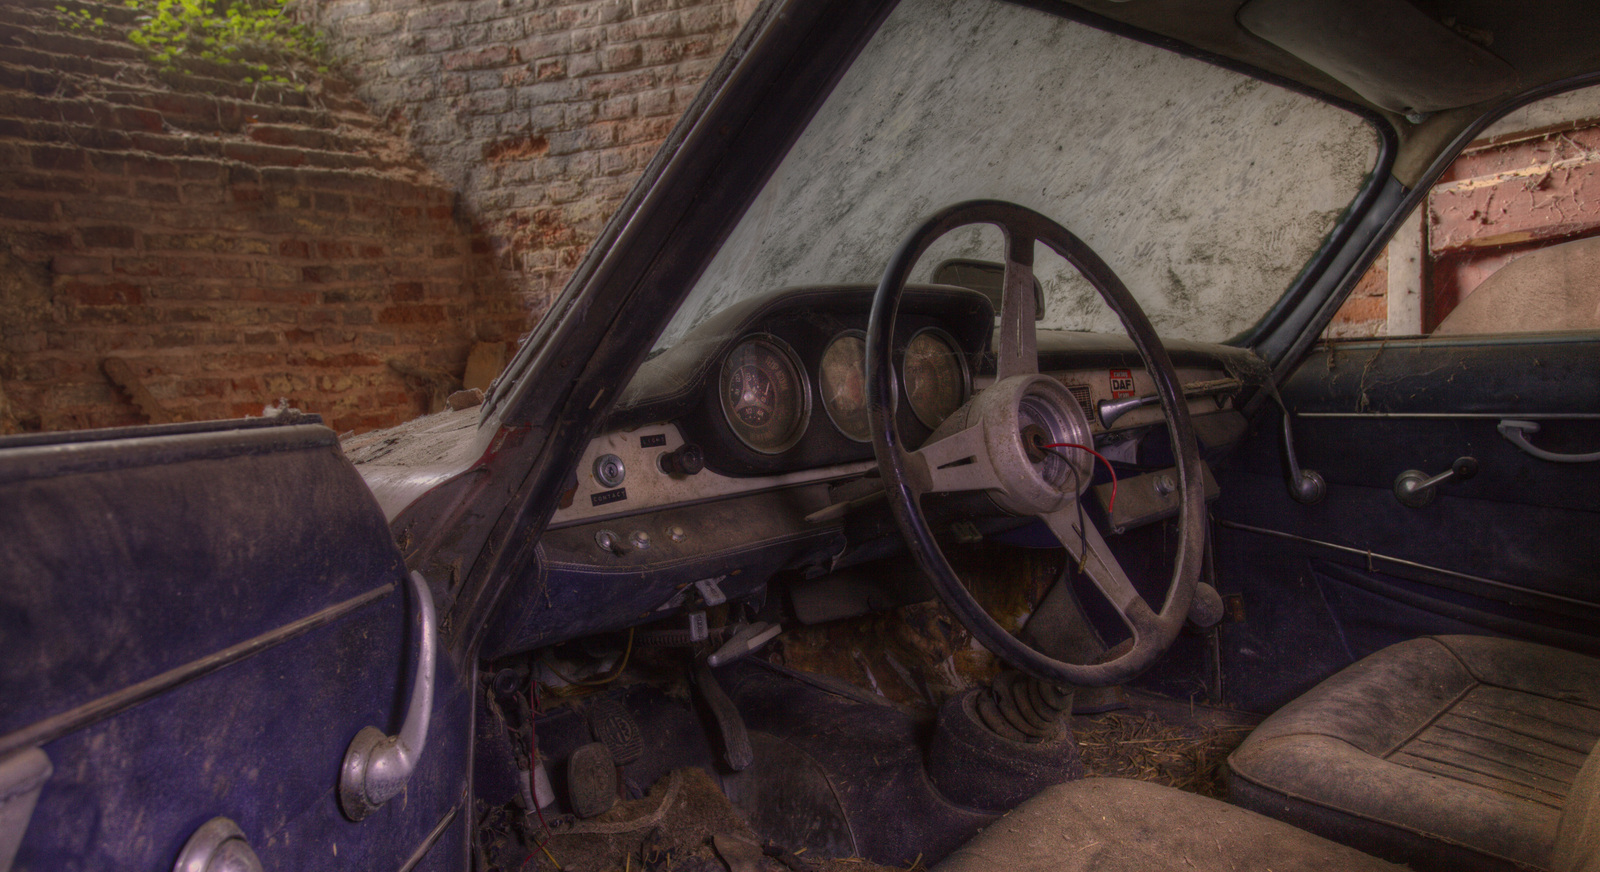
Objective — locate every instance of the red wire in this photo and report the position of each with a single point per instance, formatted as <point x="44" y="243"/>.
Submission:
<point x="1111" y="505"/>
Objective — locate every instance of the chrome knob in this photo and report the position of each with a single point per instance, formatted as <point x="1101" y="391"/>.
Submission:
<point x="218" y="846"/>
<point x="609" y="542"/>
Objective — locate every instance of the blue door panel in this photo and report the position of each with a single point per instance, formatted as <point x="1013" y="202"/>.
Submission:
<point x="130" y="568"/>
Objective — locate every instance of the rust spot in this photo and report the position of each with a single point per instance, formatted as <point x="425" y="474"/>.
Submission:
<point x="516" y="148"/>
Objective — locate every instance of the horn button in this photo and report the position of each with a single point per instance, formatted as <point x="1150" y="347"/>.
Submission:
<point x="1022" y="416"/>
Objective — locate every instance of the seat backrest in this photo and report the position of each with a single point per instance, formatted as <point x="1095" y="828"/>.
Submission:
<point x="1577" y="847"/>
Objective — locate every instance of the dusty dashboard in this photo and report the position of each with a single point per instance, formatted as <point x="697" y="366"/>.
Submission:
<point x="730" y="455"/>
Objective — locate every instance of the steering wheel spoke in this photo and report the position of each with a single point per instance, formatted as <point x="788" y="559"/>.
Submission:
<point x="1018" y="352"/>
<point x="1086" y="546"/>
<point x="958" y="462"/>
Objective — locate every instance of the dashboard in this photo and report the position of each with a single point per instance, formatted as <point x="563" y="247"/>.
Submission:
<point x="740" y="451"/>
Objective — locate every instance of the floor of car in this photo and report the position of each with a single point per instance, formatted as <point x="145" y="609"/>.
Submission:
<point x="1164" y="741"/>
<point x="830" y="759"/>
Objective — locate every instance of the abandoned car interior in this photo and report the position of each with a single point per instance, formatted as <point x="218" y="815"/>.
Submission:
<point x="938" y="462"/>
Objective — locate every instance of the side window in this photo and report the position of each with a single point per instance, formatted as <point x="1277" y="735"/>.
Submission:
<point x="1507" y="241"/>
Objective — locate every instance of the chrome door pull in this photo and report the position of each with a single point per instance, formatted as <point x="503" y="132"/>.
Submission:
<point x="1517" y="432"/>
<point x="218" y="846"/>
<point x="1415" y="488"/>
<point x="377" y="767"/>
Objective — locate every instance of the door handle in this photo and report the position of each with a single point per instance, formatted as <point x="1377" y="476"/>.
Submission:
<point x="377" y="767"/>
<point x="1415" y="488"/>
<point x="1517" y="432"/>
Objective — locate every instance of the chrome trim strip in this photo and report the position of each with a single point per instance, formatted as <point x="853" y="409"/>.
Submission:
<point x="433" y="837"/>
<point x="1398" y="561"/>
<point x="1541" y="416"/>
<point x="94" y="711"/>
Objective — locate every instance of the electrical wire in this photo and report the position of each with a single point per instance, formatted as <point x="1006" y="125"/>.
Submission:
<point x="615" y="673"/>
<point x="533" y="784"/>
<point x="1111" y="504"/>
<point x="1083" y="529"/>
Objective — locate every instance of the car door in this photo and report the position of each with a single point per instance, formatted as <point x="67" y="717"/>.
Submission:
<point x="1462" y="486"/>
<point x="196" y="621"/>
<point x="1510" y="551"/>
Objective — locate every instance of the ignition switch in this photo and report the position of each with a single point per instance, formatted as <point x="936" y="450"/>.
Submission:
<point x="608" y="470"/>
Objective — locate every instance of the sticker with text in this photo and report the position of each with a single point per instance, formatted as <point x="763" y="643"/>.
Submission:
<point x="610" y="496"/>
<point x="1121" y="383"/>
<point x="653" y="440"/>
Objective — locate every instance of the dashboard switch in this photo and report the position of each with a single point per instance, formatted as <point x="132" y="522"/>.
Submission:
<point x="609" y="471"/>
<point x="689" y="459"/>
<point x="640" y="539"/>
<point x="609" y="542"/>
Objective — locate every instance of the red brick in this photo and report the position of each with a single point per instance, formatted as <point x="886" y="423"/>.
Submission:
<point x="109" y="237"/>
<point x="478" y="59"/>
<point x="412" y="314"/>
<point x="50" y="157"/>
<point x="107" y="294"/>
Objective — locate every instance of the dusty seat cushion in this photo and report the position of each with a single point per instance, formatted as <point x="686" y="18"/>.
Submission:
<point x="1114" y="825"/>
<point x="1444" y="752"/>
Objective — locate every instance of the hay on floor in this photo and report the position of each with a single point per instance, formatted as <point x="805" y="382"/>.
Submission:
<point x="1143" y="746"/>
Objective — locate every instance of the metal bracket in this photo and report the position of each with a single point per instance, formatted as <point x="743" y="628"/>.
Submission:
<point x="377" y="767"/>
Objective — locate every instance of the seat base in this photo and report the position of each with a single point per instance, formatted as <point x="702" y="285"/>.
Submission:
<point x="1449" y="753"/>
<point x="1116" y="825"/>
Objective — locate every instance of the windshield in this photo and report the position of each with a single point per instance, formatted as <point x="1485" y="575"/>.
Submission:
<point x="1205" y="189"/>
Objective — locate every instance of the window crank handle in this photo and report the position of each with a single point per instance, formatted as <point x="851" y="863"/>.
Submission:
<point x="1416" y="488"/>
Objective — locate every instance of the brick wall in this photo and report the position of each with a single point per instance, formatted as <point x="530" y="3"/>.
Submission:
<point x="1502" y="198"/>
<point x="541" y="114"/>
<point x="216" y="246"/>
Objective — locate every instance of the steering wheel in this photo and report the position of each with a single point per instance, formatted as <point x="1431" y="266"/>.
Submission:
<point x="1006" y="442"/>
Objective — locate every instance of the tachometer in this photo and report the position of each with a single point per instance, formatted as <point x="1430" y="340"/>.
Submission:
<point x="935" y="376"/>
<point x="764" y="398"/>
<point x="844" y="384"/>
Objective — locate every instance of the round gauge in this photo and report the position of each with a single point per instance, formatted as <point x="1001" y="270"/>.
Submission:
<point x="844" y="385"/>
<point x="763" y="396"/>
<point x="935" y="376"/>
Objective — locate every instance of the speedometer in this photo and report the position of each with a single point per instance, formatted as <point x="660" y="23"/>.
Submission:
<point x="843" y="378"/>
<point x="935" y="376"/>
<point x="764" y="398"/>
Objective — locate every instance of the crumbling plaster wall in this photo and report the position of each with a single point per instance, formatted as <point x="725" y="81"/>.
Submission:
<point x="541" y="114"/>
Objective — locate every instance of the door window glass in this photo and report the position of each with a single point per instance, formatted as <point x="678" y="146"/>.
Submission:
<point x="1507" y="241"/>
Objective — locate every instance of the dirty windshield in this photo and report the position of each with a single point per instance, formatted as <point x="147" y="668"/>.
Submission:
<point x="1206" y="190"/>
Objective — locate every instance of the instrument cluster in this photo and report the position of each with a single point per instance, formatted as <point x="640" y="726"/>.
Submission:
<point x="767" y="390"/>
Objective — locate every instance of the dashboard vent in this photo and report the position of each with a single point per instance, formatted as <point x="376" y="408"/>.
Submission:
<point x="1081" y="394"/>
